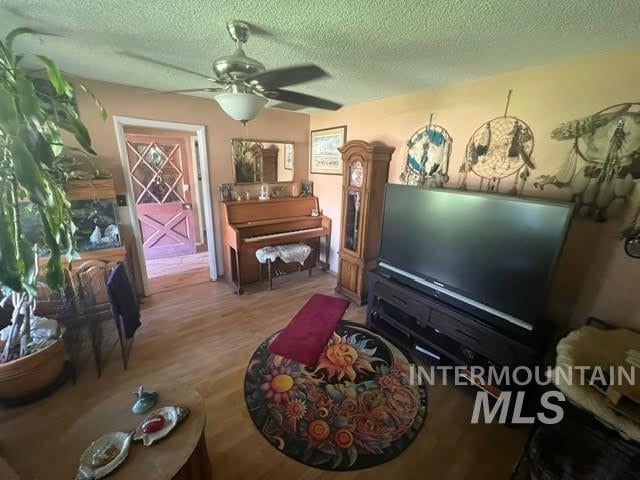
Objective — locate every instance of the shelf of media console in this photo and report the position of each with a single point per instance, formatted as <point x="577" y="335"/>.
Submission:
<point x="436" y="330"/>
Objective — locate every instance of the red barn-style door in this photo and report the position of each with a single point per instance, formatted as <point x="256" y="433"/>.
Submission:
<point x="159" y="170"/>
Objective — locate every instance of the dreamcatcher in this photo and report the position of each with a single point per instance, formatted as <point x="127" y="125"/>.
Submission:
<point x="603" y="161"/>
<point x="500" y="149"/>
<point x="428" y="153"/>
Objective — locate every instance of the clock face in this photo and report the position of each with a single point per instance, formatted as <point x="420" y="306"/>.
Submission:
<point x="356" y="174"/>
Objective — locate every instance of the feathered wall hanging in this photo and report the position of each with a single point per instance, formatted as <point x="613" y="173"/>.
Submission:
<point x="500" y="149"/>
<point x="428" y="152"/>
<point x="603" y="161"/>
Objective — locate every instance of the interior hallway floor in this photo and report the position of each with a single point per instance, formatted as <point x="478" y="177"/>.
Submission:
<point x="202" y="336"/>
<point x="176" y="272"/>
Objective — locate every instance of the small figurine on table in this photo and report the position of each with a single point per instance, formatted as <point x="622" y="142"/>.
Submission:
<point x="144" y="401"/>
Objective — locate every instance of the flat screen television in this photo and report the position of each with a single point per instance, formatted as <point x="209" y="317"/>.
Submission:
<point x="494" y="255"/>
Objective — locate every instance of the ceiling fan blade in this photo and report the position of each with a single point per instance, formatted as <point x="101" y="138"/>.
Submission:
<point x="291" y="107"/>
<point x="301" y="99"/>
<point x="284" y="77"/>
<point x="186" y="91"/>
<point x="257" y="30"/>
<point x="168" y="65"/>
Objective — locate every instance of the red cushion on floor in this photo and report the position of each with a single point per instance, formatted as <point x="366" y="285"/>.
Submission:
<point x="307" y="334"/>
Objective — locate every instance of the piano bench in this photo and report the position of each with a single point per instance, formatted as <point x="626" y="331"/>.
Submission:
<point x="278" y="267"/>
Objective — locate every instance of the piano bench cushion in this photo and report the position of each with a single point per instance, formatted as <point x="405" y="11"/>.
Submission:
<point x="297" y="252"/>
<point x="306" y="336"/>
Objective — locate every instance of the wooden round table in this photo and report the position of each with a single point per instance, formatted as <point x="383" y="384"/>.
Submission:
<point x="182" y="455"/>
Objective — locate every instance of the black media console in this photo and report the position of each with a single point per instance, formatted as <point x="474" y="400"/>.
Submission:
<point x="440" y="331"/>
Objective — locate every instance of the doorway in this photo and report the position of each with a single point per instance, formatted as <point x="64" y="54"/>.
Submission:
<point x="169" y="201"/>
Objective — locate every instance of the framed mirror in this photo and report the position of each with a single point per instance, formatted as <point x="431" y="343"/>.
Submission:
<point x="262" y="161"/>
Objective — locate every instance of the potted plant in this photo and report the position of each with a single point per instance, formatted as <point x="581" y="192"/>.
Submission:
<point x="31" y="145"/>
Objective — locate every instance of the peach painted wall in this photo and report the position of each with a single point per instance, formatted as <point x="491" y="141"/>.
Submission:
<point x="595" y="277"/>
<point x="121" y="100"/>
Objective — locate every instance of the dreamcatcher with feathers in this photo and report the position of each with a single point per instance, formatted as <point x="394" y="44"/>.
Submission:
<point x="604" y="159"/>
<point x="500" y="150"/>
<point x="428" y="152"/>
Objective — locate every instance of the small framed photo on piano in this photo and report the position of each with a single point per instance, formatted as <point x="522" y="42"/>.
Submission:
<point x="325" y="156"/>
<point x="226" y="192"/>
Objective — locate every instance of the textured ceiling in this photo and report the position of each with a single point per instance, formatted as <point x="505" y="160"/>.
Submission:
<point x="372" y="48"/>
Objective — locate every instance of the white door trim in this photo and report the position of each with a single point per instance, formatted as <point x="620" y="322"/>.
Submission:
<point x="197" y="183"/>
<point x="200" y="133"/>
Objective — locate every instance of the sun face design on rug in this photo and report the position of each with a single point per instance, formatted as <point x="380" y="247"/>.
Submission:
<point x="346" y="356"/>
<point x="354" y="409"/>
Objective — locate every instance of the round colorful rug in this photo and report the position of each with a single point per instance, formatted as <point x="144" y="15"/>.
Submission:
<point x="355" y="409"/>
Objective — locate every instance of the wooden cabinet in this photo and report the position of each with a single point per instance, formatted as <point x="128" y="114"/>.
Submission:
<point x="80" y="193"/>
<point x="365" y="172"/>
<point x="93" y="203"/>
<point x="96" y="189"/>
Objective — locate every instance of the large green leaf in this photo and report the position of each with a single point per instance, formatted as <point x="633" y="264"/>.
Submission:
<point x="51" y="134"/>
<point x="8" y="112"/>
<point x="29" y="266"/>
<point x="9" y="269"/>
<point x="55" y="272"/>
<point x="96" y="100"/>
<point x="15" y="33"/>
<point x="61" y="86"/>
<point x="28" y="172"/>
<point x="40" y="148"/>
<point x="28" y="101"/>
<point x="6" y="60"/>
<point x="73" y="125"/>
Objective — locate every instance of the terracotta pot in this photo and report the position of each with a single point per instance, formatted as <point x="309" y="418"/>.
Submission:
<point x="33" y="373"/>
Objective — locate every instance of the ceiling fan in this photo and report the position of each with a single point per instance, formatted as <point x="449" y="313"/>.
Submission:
<point x="246" y="84"/>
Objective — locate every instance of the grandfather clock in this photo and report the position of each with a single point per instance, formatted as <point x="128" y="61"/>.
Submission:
<point x="365" y="171"/>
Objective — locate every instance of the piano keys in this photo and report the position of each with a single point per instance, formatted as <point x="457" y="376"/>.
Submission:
<point x="282" y="234"/>
<point x="252" y="224"/>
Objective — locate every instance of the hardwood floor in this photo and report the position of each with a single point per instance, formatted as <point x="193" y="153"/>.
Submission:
<point x="202" y="336"/>
<point x="159" y="267"/>
<point x="179" y="280"/>
<point x="175" y="272"/>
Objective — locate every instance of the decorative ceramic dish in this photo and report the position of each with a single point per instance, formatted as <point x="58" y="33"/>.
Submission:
<point x="159" y="423"/>
<point x="104" y="455"/>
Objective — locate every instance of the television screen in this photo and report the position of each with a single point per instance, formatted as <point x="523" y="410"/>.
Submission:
<point x="495" y="250"/>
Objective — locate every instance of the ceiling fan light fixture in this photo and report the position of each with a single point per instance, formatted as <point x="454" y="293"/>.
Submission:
<point x="248" y="85"/>
<point x="241" y="106"/>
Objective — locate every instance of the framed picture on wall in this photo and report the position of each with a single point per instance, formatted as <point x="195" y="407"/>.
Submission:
<point x="288" y="156"/>
<point x="325" y="156"/>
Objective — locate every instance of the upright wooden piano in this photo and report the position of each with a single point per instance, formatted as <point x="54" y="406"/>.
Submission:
<point x="248" y="225"/>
